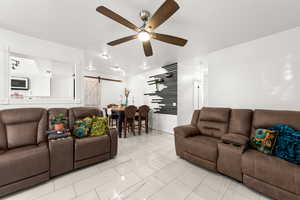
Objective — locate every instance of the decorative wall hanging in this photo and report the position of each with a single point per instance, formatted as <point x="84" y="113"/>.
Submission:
<point x="165" y="96"/>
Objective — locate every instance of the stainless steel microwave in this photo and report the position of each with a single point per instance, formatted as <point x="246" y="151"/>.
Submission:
<point x="19" y="83"/>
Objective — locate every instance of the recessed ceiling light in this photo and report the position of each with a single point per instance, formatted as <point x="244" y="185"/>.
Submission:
<point x="144" y="66"/>
<point x="123" y="73"/>
<point x="105" y="56"/>
<point x="91" y="68"/>
<point x="116" y="68"/>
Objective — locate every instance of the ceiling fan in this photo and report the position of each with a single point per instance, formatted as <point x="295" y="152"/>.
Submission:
<point x="145" y="32"/>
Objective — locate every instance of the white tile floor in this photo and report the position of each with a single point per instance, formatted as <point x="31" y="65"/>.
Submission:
<point x="146" y="168"/>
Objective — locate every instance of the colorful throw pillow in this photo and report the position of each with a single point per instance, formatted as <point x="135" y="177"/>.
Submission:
<point x="80" y="129"/>
<point x="100" y="126"/>
<point x="88" y="121"/>
<point x="264" y="140"/>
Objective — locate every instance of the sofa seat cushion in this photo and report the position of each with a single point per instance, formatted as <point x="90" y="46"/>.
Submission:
<point x="271" y="170"/>
<point x="23" y="162"/>
<point x="202" y="146"/>
<point x="91" y="146"/>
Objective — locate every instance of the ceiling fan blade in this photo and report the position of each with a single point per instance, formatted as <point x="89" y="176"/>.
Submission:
<point x="122" y="40"/>
<point x="147" y="48"/>
<point x="162" y="14"/>
<point x="114" y="16"/>
<point x="169" y="39"/>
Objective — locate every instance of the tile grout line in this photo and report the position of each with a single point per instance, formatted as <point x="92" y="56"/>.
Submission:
<point x="193" y="190"/>
<point x="37" y="198"/>
<point x="98" y="196"/>
<point x="138" y="189"/>
<point x="165" y="185"/>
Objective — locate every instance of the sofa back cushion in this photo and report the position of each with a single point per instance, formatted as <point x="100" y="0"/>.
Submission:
<point x="55" y="111"/>
<point x="21" y="134"/>
<point x="195" y="117"/>
<point x="240" y="121"/>
<point x="81" y="113"/>
<point x="21" y="127"/>
<point x="3" y="141"/>
<point x="269" y="118"/>
<point x="213" y="121"/>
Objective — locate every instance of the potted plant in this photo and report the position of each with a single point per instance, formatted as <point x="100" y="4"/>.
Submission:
<point x="58" y="121"/>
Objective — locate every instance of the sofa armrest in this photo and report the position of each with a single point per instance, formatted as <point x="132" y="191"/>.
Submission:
<point x="235" y="139"/>
<point x="113" y="133"/>
<point x="186" y="131"/>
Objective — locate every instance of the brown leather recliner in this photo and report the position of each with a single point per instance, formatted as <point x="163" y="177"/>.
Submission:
<point x="267" y="174"/>
<point x="198" y="142"/>
<point x="24" y="154"/>
<point x="264" y="173"/>
<point x="91" y="150"/>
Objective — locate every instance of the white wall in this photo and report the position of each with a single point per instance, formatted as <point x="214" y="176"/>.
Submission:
<point x="59" y="55"/>
<point x="3" y="71"/>
<point x="188" y="73"/>
<point x="25" y="45"/>
<point x="138" y="87"/>
<point x="110" y="93"/>
<point x="259" y="74"/>
<point x="264" y="73"/>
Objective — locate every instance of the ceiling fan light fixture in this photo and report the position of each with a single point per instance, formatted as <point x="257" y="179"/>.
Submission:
<point x="145" y="33"/>
<point x="144" y="36"/>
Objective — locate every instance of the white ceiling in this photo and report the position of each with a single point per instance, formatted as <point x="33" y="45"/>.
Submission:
<point x="208" y="25"/>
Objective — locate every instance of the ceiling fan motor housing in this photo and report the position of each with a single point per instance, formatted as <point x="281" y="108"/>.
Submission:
<point x="145" y="15"/>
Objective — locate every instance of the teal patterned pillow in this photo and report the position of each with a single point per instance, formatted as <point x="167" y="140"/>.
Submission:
<point x="80" y="129"/>
<point x="264" y="140"/>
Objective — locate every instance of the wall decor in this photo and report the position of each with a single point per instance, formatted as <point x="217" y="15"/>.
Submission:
<point x="165" y="96"/>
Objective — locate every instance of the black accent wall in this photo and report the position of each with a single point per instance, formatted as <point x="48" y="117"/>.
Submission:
<point x="167" y="97"/>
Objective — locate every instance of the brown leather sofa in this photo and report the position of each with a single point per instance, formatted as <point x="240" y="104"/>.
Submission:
<point x="27" y="158"/>
<point x="271" y="175"/>
<point x="24" y="153"/>
<point x="202" y="149"/>
<point x="90" y="150"/>
<point x="217" y="139"/>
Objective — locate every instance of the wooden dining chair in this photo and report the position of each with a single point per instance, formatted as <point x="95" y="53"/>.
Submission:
<point x="143" y="115"/>
<point x="129" y="120"/>
<point x="112" y="117"/>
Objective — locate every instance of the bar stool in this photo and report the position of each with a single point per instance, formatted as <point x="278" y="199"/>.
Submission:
<point x="129" y="119"/>
<point x="143" y="116"/>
